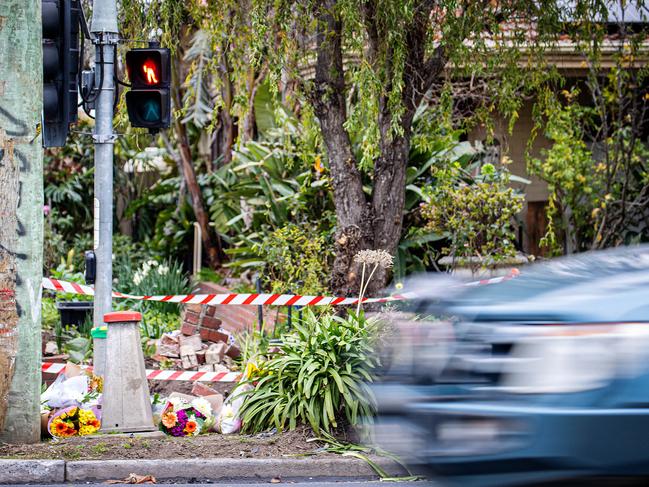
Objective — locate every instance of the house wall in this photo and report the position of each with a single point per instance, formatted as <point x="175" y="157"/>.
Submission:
<point x="514" y="145"/>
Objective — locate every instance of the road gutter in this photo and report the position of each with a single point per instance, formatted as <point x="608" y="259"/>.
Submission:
<point x="195" y="469"/>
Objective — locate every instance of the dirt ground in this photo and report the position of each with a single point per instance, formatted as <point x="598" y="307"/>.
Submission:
<point x="166" y="387"/>
<point x="213" y="445"/>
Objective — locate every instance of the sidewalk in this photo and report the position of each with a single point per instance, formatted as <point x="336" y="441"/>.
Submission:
<point x="194" y="469"/>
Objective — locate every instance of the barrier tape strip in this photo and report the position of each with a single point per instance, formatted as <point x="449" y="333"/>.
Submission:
<point x="495" y="280"/>
<point x="231" y="299"/>
<point x="56" y="368"/>
<point x="249" y="298"/>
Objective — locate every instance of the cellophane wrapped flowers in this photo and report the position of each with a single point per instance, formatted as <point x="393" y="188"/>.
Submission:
<point x="74" y="421"/>
<point x="181" y="418"/>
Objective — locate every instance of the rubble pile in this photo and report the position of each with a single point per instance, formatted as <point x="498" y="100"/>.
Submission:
<point x="200" y="344"/>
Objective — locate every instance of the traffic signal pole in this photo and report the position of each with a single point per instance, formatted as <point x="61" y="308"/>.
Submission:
<point x="104" y="28"/>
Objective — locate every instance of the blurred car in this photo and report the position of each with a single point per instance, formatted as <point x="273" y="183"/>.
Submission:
<point x="544" y="376"/>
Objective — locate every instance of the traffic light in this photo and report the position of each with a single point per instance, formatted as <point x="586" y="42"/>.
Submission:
<point x="149" y="102"/>
<point x="60" y="20"/>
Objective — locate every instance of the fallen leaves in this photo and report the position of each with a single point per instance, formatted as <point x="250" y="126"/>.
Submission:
<point x="134" y="479"/>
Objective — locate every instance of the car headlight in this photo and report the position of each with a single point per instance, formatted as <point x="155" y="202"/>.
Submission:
<point x="574" y="358"/>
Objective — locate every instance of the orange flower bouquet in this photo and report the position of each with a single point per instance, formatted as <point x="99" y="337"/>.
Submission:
<point x="180" y="418"/>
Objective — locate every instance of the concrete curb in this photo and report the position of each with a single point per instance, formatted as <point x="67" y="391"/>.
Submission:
<point x="32" y="471"/>
<point x="188" y="470"/>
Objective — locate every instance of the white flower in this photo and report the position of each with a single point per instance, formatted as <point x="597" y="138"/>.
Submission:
<point x="163" y="270"/>
<point x="374" y="257"/>
<point x="203" y="406"/>
<point x="227" y="412"/>
<point x="137" y="278"/>
<point x="177" y="403"/>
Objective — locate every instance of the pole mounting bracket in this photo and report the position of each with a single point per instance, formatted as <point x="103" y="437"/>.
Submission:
<point x="104" y="138"/>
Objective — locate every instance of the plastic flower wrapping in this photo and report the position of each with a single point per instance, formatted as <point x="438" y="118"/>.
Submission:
<point x="74" y="421"/>
<point x="181" y="418"/>
<point x="71" y="405"/>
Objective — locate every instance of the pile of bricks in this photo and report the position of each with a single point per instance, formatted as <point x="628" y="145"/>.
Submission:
<point x="200" y="320"/>
<point x="234" y="318"/>
<point x="201" y="343"/>
<point x="204" y="342"/>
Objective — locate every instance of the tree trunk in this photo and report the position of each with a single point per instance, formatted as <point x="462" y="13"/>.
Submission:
<point x="227" y="121"/>
<point x="353" y="231"/>
<point x="377" y="223"/>
<point x="388" y="199"/>
<point x="211" y="240"/>
<point x="21" y="220"/>
<point x="8" y="234"/>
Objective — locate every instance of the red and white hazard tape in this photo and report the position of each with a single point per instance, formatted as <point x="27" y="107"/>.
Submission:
<point x="232" y="299"/>
<point x="165" y="374"/>
<point x="495" y="280"/>
<point x="250" y="298"/>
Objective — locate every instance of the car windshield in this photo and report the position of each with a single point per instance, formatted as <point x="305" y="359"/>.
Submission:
<point x="559" y="273"/>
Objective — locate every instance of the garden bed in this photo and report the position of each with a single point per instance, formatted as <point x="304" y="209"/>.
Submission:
<point x="110" y="447"/>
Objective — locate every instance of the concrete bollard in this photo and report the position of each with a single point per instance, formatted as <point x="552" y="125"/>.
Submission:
<point x="126" y="405"/>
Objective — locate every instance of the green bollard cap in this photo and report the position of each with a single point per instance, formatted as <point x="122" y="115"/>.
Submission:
<point x="99" y="332"/>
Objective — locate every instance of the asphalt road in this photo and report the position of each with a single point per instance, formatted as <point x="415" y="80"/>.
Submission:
<point x="267" y="484"/>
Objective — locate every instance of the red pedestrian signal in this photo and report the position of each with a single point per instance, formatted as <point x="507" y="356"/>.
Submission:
<point x="149" y="102"/>
<point x="149" y="69"/>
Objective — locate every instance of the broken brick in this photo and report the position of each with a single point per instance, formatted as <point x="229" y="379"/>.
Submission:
<point x="194" y="308"/>
<point x="193" y="341"/>
<point x="209" y="310"/>
<point x="204" y="334"/>
<point x="233" y="351"/>
<point x="215" y="353"/>
<point x="200" y="389"/>
<point x="216" y="401"/>
<point x="218" y="336"/>
<point x="188" y="357"/>
<point x="188" y="329"/>
<point x="167" y="348"/>
<point x="200" y="356"/>
<point x="211" y="322"/>
<point x="192" y="318"/>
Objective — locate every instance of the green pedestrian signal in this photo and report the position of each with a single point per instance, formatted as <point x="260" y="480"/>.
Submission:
<point x="151" y="111"/>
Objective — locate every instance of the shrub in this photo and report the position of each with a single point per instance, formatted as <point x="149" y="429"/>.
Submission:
<point x="297" y="260"/>
<point x="318" y="377"/>
<point x="475" y="215"/>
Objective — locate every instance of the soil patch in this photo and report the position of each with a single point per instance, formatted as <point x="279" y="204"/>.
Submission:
<point x="111" y="447"/>
<point x="166" y="387"/>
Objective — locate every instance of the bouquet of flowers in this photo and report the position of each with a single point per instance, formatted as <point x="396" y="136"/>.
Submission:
<point x="181" y="418"/>
<point x="74" y="421"/>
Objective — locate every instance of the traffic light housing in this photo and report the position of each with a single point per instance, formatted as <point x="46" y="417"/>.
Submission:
<point x="149" y="101"/>
<point x="60" y="22"/>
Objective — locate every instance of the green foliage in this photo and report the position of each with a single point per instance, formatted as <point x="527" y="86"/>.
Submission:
<point x="596" y="167"/>
<point x="68" y="189"/>
<point x="476" y="212"/>
<point x="296" y="259"/>
<point x="78" y="347"/>
<point x="155" y="278"/>
<point x="318" y="377"/>
<point x="574" y="179"/>
<point x="155" y="323"/>
<point x="50" y="317"/>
